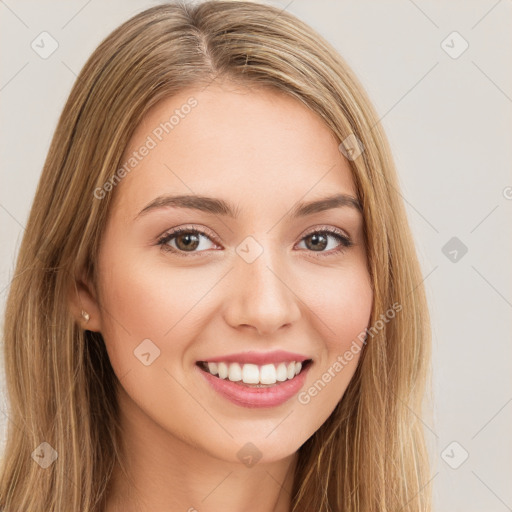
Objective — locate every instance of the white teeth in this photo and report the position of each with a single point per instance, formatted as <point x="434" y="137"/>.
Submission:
<point x="254" y="374"/>
<point x="291" y="370"/>
<point x="268" y="374"/>
<point x="213" y="369"/>
<point x="223" y="370"/>
<point x="235" y="372"/>
<point x="250" y="374"/>
<point x="281" y="372"/>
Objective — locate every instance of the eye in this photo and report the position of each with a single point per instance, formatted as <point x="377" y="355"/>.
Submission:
<point x="184" y="240"/>
<point x="319" y="240"/>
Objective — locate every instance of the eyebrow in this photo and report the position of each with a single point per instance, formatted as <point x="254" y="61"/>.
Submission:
<point x="221" y="207"/>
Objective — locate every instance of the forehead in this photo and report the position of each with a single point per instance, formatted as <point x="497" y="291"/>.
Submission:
<point x="254" y="146"/>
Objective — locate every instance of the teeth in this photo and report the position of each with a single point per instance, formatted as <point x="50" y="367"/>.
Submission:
<point x="268" y="374"/>
<point x="281" y="372"/>
<point x="223" y="370"/>
<point x="254" y="374"/>
<point x="235" y="372"/>
<point x="290" y="371"/>
<point x="250" y="374"/>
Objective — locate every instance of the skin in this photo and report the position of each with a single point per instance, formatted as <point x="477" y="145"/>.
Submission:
<point x="263" y="152"/>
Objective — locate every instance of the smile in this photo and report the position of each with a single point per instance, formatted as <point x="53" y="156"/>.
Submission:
<point x="255" y="394"/>
<point x="259" y="375"/>
<point x="267" y="374"/>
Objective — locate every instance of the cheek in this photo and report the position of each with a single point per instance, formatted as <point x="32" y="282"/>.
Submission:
<point x="340" y="307"/>
<point x="151" y="301"/>
<point x="340" y="303"/>
<point x="350" y="310"/>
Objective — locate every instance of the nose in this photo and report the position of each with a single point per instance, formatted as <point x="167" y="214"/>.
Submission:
<point x="261" y="296"/>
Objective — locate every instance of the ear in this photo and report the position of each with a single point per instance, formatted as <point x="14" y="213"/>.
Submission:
<point x="83" y="299"/>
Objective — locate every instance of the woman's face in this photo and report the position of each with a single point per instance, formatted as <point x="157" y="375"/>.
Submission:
<point x="263" y="280"/>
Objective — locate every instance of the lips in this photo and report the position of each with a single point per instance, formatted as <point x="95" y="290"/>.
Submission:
<point x="246" y="395"/>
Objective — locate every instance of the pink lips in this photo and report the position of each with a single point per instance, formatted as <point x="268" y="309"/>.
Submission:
<point x="259" y="358"/>
<point x="252" y="397"/>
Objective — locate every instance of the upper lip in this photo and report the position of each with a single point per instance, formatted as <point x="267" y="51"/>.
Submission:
<point x="258" y="358"/>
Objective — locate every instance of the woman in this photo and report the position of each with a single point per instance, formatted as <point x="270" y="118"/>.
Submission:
<point x="217" y="301"/>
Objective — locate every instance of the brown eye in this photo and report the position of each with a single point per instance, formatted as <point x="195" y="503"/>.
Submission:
<point x="185" y="240"/>
<point x="318" y="241"/>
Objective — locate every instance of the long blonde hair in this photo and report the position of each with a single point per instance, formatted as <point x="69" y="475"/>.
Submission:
<point x="370" y="454"/>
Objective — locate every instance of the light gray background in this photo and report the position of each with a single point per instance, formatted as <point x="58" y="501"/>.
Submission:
<point x="449" y="124"/>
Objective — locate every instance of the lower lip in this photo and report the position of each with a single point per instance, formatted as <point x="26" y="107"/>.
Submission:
<point x="246" y="396"/>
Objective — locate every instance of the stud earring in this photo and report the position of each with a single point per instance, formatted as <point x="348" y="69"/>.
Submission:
<point x="85" y="315"/>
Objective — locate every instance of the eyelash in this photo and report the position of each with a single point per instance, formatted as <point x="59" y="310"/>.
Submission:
<point x="345" y="241"/>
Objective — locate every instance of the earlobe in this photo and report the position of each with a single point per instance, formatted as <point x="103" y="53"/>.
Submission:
<point x="84" y="304"/>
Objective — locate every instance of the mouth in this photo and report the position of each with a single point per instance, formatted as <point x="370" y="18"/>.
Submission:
<point x="253" y="375"/>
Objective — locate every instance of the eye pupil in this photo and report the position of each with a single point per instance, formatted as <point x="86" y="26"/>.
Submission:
<point x="190" y="244"/>
<point x="317" y="240"/>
